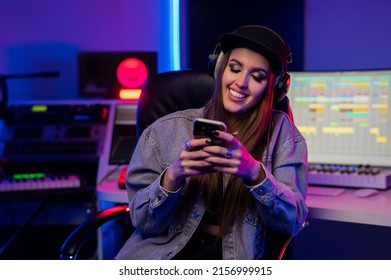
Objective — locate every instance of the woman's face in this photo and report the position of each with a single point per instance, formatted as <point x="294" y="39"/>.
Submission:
<point x="244" y="80"/>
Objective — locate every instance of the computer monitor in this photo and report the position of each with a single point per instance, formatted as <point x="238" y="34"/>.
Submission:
<point x="344" y="115"/>
<point x="120" y="139"/>
<point x="123" y="140"/>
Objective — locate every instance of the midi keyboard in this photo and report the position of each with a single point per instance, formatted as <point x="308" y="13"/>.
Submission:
<point x="355" y="176"/>
<point x="37" y="182"/>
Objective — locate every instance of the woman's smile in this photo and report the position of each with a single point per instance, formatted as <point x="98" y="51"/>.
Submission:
<point x="236" y="94"/>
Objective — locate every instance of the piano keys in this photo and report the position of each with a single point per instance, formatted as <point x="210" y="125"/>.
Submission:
<point x="37" y="182"/>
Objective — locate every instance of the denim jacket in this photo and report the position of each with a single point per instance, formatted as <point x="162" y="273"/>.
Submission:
<point x="162" y="227"/>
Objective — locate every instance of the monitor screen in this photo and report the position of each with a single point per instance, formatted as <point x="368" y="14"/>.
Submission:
<point x="344" y="115"/>
<point x="123" y="141"/>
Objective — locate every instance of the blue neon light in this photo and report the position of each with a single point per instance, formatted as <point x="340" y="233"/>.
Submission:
<point x="175" y="35"/>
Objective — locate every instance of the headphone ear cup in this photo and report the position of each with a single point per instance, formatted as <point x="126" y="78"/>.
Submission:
<point x="282" y="86"/>
<point x="215" y="61"/>
<point x="218" y="65"/>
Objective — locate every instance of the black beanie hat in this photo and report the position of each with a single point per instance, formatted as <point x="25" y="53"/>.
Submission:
<point x="262" y="40"/>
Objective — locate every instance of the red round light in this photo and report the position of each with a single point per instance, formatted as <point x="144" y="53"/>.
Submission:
<point x="132" y="73"/>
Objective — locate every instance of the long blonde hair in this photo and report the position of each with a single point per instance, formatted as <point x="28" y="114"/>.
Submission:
<point x="253" y="131"/>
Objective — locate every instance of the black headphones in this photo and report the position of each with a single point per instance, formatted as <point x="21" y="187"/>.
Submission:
<point x="283" y="80"/>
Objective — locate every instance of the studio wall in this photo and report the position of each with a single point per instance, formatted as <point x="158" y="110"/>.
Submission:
<point x="347" y="34"/>
<point x="220" y="16"/>
<point x="45" y="35"/>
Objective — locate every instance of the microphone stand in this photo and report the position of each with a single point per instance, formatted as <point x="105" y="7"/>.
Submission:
<point x="4" y="87"/>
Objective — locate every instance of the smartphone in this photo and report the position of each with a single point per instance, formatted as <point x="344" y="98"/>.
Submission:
<point x="203" y="128"/>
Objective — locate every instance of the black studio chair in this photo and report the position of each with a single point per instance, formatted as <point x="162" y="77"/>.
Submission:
<point x="162" y="94"/>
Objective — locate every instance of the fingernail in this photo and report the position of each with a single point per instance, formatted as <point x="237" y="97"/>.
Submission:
<point x="215" y="133"/>
<point x="208" y="141"/>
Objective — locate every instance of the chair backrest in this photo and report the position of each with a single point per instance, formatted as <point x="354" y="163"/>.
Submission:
<point x="172" y="91"/>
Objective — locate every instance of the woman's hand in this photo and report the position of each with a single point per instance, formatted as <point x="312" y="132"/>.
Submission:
<point x="235" y="159"/>
<point x="191" y="161"/>
<point x="200" y="156"/>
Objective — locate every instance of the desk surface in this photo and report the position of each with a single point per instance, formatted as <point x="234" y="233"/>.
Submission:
<point x="109" y="191"/>
<point x="346" y="207"/>
<point x="374" y="210"/>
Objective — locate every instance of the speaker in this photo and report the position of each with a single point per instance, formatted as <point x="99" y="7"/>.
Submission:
<point x="104" y="74"/>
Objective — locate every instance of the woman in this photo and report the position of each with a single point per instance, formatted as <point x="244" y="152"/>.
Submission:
<point x="192" y="199"/>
